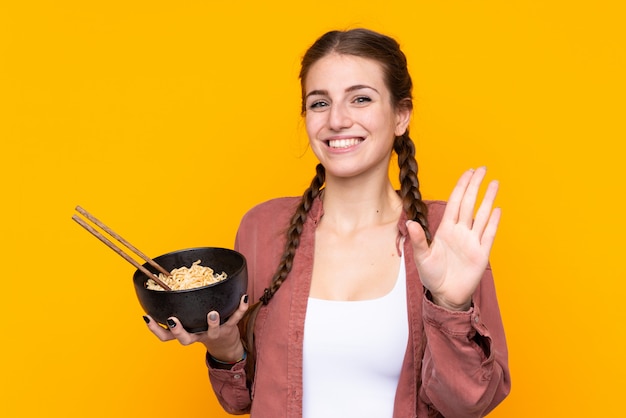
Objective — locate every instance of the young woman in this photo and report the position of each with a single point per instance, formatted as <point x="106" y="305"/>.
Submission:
<point x="374" y="303"/>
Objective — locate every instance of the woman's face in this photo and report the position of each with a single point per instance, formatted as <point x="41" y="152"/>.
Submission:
<point x="350" y="120"/>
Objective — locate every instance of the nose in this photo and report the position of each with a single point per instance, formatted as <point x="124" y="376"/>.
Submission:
<point x="339" y="117"/>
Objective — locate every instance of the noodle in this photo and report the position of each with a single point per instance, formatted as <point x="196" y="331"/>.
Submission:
<point x="187" y="278"/>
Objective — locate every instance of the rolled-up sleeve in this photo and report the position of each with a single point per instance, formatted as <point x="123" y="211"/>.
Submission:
<point x="465" y="365"/>
<point x="230" y="388"/>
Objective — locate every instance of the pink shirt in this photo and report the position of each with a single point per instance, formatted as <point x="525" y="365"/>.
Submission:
<point x="464" y="355"/>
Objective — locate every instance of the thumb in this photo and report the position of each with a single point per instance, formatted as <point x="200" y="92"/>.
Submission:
<point x="418" y="239"/>
<point x="213" y="319"/>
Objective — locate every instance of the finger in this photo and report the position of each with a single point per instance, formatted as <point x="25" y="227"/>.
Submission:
<point x="240" y="312"/>
<point x="418" y="240"/>
<point x="489" y="235"/>
<point x="454" y="201"/>
<point x="162" y="334"/>
<point x="468" y="203"/>
<point x="484" y="211"/>
<point x="213" y="320"/>
<point x="179" y="332"/>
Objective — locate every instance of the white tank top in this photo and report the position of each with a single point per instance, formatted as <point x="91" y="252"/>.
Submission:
<point x="353" y="353"/>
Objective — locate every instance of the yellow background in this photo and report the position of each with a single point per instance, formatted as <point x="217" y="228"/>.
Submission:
<point x="168" y="120"/>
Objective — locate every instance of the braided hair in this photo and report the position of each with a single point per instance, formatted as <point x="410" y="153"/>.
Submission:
<point x="386" y="51"/>
<point x="294" y="232"/>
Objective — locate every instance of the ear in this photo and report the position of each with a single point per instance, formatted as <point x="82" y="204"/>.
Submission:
<point x="403" y="117"/>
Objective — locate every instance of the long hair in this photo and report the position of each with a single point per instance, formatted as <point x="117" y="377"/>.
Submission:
<point x="386" y="51"/>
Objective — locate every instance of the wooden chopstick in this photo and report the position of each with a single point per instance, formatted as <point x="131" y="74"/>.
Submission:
<point x="119" y="251"/>
<point x="122" y="240"/>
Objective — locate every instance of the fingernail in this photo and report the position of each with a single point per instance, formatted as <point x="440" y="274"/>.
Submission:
<point x="213" y="316"/>
<point x="245" y="299"/>
<point x="145" y="318"/>
<point x="171" y="323"/>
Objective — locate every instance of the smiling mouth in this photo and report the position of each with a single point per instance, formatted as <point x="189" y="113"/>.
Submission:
<point x="344" y="143"/>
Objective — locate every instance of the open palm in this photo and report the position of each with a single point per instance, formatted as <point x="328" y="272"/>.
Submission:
<point x="452" y="266"/>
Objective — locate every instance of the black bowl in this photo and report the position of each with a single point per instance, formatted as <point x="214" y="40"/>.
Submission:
<point x="191" y="306"/>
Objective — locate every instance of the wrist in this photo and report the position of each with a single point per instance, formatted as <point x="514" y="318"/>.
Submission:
<point x="222" y="364"/>
<point x="225" y="352"/>
<point x="439" y="301"/>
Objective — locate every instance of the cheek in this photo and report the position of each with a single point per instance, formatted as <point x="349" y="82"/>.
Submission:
<point x="376" y="120"/>
<point x="312" y="122"/>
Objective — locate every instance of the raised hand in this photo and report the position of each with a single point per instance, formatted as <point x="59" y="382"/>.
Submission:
<point x="452" y="266"/>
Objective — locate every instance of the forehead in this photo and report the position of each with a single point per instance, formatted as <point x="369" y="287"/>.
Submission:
<point x="340" y="71"/>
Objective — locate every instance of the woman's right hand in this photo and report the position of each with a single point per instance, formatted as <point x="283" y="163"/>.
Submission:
<point x="223" y="342"/>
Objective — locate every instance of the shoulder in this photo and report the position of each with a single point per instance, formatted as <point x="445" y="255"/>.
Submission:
<point x="261" y="239"/>
<point x="271" y="210"/>
<point x="269" y="217"/>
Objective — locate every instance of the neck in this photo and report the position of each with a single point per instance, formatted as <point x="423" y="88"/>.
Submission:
<point x="350" y="206"/>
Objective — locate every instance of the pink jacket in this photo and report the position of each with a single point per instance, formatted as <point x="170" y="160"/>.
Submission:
<point x="465" y="363"/>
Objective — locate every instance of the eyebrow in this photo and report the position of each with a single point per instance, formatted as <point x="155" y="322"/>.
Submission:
<point x="349" y="89"/>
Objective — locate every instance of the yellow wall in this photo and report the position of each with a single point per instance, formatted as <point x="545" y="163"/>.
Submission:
<point x="168" y="120"/>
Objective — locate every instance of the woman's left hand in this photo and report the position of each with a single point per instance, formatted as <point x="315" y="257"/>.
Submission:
<point x="452" y="266"/>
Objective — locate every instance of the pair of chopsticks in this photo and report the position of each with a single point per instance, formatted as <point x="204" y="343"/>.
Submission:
<point x="118" y="250"/>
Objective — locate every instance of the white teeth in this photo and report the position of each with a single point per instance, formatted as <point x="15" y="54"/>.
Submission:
<point x="343" y="143"/>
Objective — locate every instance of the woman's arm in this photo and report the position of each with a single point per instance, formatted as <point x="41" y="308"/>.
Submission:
<point x="465" y="364"/>
<point x="465" y="369"/>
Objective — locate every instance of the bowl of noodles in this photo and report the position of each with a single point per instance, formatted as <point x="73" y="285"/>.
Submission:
<point x="202" y="280"/>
